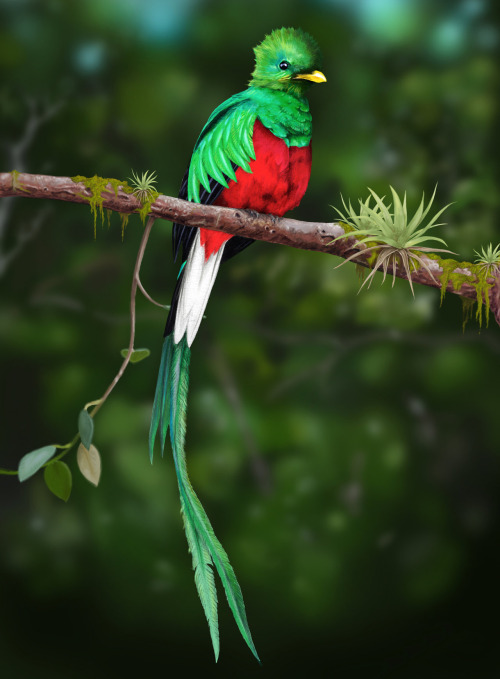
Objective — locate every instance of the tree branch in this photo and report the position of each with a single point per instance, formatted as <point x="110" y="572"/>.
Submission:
<point x="317" y="236"/>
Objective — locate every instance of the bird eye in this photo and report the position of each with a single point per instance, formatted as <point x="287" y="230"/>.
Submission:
<point x="284" y="65"/>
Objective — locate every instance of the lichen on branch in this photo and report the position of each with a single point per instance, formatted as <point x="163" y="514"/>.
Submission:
<point x="97" y="186"/>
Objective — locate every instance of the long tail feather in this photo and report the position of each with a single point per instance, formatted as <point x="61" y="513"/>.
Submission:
<point x="203" y="576"/>
<point x="169" y="410"/>
<point x="161" y="404"/>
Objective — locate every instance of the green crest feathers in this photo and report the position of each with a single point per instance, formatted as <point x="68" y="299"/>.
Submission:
<point x="292" y="45"/>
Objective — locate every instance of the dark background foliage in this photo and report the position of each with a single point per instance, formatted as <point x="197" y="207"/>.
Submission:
<point x="345" y="447"/>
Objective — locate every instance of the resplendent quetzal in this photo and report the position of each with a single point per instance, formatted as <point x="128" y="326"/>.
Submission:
<point x="253" y="153"/>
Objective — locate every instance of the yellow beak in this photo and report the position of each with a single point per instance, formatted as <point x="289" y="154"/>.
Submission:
<point x="315" y="76"/>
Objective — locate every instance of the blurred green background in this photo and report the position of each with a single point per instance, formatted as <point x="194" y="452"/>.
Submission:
<point x="345" y="447"/>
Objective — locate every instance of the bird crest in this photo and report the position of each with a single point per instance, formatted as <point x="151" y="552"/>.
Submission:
<point x="287" y="59"/>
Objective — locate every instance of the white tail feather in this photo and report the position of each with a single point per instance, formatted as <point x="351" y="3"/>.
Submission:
<point x="197" y="282"/>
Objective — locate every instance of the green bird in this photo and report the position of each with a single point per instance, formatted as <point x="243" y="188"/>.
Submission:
<point x="253" y="153"/>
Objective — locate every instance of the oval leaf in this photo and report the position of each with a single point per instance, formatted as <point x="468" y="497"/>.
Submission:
<point x="31" y="462"/>
<point x="136" y="355"/>
<point x="85" y="428"/>
<point x="89" y="463"/>
<point x="58" y="479"/>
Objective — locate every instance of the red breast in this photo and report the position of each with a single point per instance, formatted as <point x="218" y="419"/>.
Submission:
<point x="278" y="180"/>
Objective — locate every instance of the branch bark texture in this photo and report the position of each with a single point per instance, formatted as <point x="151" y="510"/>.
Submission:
<point x="317" y="236"/>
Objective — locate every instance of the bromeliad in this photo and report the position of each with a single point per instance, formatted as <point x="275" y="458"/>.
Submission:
<point x="253" y="153"/>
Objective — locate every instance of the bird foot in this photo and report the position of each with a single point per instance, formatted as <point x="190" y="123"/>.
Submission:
<point x="252" y="213"/>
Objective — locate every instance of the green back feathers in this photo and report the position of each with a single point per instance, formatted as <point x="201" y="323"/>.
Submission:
<point x="291" y="46"/>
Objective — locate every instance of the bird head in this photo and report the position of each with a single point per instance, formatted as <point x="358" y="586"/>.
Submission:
<point x="288" y="60"/>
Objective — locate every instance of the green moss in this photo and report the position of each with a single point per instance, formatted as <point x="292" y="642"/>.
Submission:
<point x="97" y="185"/>
<point x="457" y="279"/>
<point x="348" y="228"/>
<point x="478" y="278"/>
<point x="123" y="221"/>
<point x="467" y="308"/>
<point x="482" y="293"/>
<point x="16" y="184"/>
<point x="146" y="205"/>
<point x="361" y="271"/>
<point x="372" y="256"/>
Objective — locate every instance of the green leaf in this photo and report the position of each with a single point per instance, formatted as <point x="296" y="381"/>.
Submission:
<point x="89" y="463"/>
<point x="85" y="428"/>
<point x="31" y="462"/>
<point x="136" y="356"/>
<point x="57" y="476"/>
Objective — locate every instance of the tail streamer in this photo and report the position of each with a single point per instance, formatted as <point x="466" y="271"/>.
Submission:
<point x="169" y="412"/>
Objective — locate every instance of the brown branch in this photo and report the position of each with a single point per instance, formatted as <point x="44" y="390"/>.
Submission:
<point x="315" y="236"/>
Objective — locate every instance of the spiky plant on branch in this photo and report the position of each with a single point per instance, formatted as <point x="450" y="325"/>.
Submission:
<point x="143" y="185"/>
<point x="397" y="238"/>
<point x="489" y="260"/>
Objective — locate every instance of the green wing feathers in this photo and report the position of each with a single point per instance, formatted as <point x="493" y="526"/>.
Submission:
<point x="225" y="139"/>
<point x="169" y="411"/>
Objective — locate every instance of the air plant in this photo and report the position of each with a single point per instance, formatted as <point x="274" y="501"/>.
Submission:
<point x="489" y="260"/>
<point x="143" y="186"/>
<point x="398" y="239"/>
